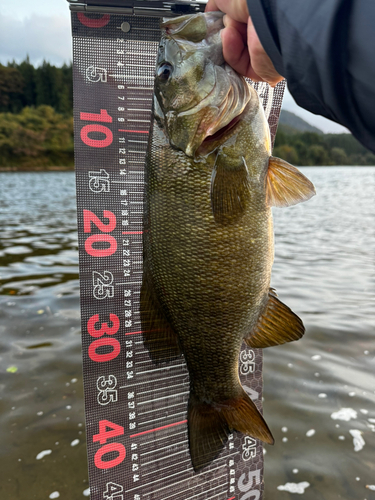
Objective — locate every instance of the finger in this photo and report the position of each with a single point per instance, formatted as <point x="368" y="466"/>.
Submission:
<point x="262" y="68"/>
<point x="240" y="27"/>
<point x="235" y="50"/>
<point x="211" y="6"/>
<point x="236" y="9"/>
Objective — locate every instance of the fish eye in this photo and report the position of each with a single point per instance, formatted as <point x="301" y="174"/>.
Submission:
<point x="164" y="71"/>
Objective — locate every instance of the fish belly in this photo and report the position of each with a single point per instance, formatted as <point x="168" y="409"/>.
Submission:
<point x="212" y="280"/>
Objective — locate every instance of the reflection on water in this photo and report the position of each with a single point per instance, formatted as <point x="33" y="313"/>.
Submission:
<point x="41" y="406"/>
<point x="323" y="270"/>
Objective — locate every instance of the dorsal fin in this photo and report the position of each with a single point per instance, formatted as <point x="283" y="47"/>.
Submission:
<point x="286" y="185"/>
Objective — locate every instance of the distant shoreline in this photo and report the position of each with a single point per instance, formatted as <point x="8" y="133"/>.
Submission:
<point x="57" y="168"/>
<point x="40" y="139"/>
<point x="23" y="168"/>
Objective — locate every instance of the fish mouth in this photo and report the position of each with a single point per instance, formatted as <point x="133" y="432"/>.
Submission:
<point x="222" y="110"/>
<point x="211" y="142"/>
<point x="219" y="133"/>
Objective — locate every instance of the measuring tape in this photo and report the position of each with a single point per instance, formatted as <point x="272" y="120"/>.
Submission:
<point x="136" y="412"/>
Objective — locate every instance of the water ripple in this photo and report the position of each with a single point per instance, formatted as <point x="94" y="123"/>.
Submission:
<point x="323" y="270"/>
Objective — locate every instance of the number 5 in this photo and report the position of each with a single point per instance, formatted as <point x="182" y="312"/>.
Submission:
<point x="253" y="474"/>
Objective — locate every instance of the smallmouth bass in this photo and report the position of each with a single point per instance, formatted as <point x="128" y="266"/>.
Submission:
<point x="208" y="236"/>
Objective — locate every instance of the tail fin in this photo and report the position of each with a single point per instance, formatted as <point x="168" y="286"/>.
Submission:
<point x="210" y="424"/>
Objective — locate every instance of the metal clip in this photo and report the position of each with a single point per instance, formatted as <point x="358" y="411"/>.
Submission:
<point x="147" y="8"/>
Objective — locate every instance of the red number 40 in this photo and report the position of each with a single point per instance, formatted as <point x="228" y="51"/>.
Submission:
<point x="102" y="437"/>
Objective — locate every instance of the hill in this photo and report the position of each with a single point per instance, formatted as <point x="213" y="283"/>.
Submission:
<point x="300" y="143"/>
<point x="292" y="124"/>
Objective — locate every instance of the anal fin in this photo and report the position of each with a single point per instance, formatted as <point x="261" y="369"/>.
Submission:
<point x="158" y="335"/>
<point x="277" y="325"/>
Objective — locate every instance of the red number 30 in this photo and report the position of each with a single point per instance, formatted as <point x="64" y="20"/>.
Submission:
<point x="103" y="342"/>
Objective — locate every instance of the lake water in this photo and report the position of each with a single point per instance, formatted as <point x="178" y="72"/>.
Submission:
<point x="319" y="393"/>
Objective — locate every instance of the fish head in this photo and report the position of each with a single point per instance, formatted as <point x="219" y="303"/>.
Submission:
<point x="196" y="93"/>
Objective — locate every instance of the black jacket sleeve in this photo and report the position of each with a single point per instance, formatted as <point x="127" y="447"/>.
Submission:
<point x="326" y="51"/>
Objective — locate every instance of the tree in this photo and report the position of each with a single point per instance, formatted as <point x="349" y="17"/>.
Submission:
<point x="36" y="136"/>
<point x="27" y="70"/>
<point x="287" y="153"/>
<point x="11" y="88"/>
<point x="65" y="104"/>
<point x="317" y="155"/>
<point x="47" y="85"/>
<point x="338" y="156"/>
<point x="369" y="159"/>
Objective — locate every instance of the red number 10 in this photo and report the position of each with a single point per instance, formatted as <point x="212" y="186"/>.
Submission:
<point x="103" y="116"/>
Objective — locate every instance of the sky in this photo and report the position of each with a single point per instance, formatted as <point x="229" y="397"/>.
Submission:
<point x="41" y="29"/>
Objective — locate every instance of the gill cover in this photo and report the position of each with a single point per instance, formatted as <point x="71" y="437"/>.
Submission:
<point x="196" y="92"/>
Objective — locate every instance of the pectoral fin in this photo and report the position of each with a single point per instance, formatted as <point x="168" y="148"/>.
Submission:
<point x="277" y="325"/>
<point x="158" y="336"/>
<point x="230" y="190"/>
<point x="286" y="185"/>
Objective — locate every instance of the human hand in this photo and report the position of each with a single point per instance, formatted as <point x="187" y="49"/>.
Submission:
<point x="242" y="49"/>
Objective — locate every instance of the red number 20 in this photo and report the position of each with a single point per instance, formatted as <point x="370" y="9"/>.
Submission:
<point x="88" y="218"/>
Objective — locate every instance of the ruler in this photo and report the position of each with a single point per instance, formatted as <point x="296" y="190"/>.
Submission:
<point x="135" y="411"/>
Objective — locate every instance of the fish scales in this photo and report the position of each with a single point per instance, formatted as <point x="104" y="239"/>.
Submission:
<point x="208" y="236"/>
<point x="211" y="279"/>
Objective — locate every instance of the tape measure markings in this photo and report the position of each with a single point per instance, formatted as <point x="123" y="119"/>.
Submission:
<point x="135" y="412"/>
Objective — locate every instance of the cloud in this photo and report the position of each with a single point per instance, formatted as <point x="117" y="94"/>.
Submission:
<point x="24" y="32"/>
<point x="38" y="36"/>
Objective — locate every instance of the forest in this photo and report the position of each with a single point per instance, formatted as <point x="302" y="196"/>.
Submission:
<point x="310" y="148"/>
<point x="36" y="116"/>
<point x="24" y="85"/>
<point x="36" y="125"/>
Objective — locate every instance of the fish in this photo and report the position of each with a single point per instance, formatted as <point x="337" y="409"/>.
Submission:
<point x="210" y="183"/>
